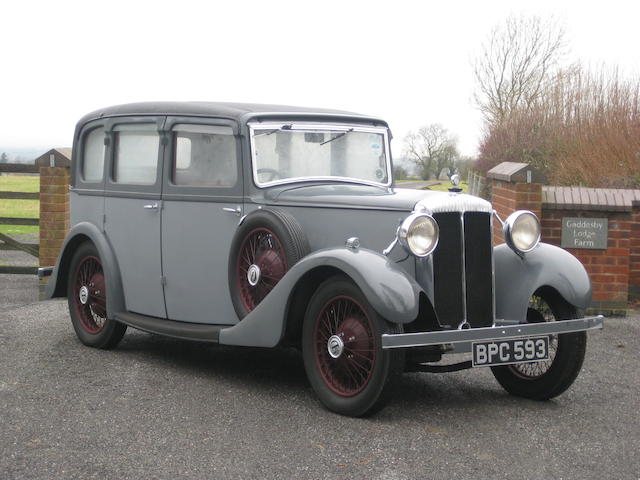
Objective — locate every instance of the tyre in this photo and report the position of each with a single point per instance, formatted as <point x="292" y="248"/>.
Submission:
<point x="87" y="298"/>
<point x="549" y="378"/>
<point x="341" y="345"/>
<point x="267" y="244"/>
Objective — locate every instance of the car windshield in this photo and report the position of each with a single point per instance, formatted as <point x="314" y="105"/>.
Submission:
<point x="287" y="152"/>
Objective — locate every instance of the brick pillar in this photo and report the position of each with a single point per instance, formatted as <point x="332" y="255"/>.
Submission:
<point x="54" y="212"/>
<point x="514" y="186"/>
<point x="634" y="253"/>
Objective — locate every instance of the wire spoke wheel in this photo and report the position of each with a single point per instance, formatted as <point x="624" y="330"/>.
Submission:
<point x="262" y="262"/>
<point x="539" y="311"/>
<point x="342" y="349"/>
<point x="267" y="243"/>
<point x="548" y="378"/>
<point x="89" y="295"/>
<point x="344" y="346"/>
<point x="87" y="299"/>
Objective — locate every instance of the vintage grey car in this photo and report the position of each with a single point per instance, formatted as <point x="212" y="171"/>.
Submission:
<point x="267" y="226"/>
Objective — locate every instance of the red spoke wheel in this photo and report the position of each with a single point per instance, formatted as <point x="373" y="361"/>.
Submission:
<point x="87" y="298"/>
<point x="343" y="356"/>
<point x="548" y="378"/>
<point x="267" y="244"/>
<point x="89" y="295"/>
<point x="344" y="348"/>
<point x="262" y="262"/>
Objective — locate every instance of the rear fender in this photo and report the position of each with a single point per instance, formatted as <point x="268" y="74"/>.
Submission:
<point x="82" y="232"/>
<point x="517" y="278"/>
<point x="389" y="289"/>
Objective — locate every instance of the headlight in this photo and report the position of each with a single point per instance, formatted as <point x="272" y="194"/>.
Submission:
<point x="419" y="234"/>
<point x="522" y="231"/>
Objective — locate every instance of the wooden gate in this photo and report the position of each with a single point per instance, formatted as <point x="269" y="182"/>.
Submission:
<point x="477" y="184"/>
<point x="8" y="243"/>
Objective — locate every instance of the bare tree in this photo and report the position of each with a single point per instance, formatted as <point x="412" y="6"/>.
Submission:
<point x="400" y="173"/>
<point x="431" y="148"/>
<point x="518" y="60"/>
<point x="584" y="130"/>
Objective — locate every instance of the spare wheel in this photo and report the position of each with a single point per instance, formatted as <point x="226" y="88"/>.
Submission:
<point x="266" y="245"/>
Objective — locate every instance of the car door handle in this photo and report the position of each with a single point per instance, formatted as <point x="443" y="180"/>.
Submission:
<point x="151" y="206"/>
<point x="237" y="210"/>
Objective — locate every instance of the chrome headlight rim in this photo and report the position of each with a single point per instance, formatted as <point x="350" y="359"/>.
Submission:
<point x="404" y="232"/>
<point x="510" y="223"/>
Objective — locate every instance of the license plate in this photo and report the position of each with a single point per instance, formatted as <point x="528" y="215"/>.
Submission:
<point x="504" y="352"/>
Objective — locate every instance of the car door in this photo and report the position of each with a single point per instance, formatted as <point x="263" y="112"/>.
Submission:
<point x="133" y="209"/>
<point x="202" y="205"/>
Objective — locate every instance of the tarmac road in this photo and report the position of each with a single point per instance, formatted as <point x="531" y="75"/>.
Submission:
<point x="162" y="408"/>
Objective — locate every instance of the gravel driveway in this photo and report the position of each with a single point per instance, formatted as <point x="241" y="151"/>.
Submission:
<point x="162" y="408"/>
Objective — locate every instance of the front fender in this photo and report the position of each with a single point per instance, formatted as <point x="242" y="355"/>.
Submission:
<point x="391" y="292"/>
<point x="81" y="232"/>
<point x="517" y="278"/>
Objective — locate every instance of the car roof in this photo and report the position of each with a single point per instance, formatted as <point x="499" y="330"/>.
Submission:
<point x="242" y="112"/>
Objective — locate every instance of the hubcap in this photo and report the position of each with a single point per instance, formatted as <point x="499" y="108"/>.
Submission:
<point x="84" y="295"/>
<point x="253" y="275"/>
<point x="335" y="345"/>
<point x="344" y="346"/>
<point x="262" y="262"/>
<point x="89" y="296"/>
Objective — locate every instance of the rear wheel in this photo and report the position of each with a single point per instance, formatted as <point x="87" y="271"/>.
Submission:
<point x="87" y="299"/>
<point x="549" y="378"/>
<point x="343" y="356"/>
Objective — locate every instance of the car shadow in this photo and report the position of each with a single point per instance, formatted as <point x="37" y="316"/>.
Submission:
<point x="283" y="366"/>
<point x="281" y="370"/>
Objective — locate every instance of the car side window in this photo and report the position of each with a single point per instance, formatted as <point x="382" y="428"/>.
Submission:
<point x="136" y="154"/>
<point x="204" y="155"/>
<point x="93" y="155"/>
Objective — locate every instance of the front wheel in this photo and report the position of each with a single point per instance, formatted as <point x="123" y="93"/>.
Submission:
<point x="341" y="345"/>
<point x="87" y="298"/>
<point x="549" y="378"/>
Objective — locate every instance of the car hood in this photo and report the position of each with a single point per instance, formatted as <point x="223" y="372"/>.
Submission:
<point x="370" y="197"/>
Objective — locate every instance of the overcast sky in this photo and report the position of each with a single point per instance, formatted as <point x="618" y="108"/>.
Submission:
<point x="408" y="62"/>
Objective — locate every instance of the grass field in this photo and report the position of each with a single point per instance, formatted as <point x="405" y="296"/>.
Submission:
<point x="19" y="208"/>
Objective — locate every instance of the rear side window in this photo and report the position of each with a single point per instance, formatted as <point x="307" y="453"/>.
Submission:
<point x="93" y="155"/>
<point x="204" y="155"/>
<point x="136" y="154"/>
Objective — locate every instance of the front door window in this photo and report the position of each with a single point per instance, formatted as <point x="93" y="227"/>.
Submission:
<point x="201" y="193"/>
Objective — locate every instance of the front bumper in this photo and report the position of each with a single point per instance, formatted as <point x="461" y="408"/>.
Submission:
<point x="502" y="330"/>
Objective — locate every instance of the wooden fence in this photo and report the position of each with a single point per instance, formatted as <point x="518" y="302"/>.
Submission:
<point x="8" y="243"/>
<point x="477" y="184"/>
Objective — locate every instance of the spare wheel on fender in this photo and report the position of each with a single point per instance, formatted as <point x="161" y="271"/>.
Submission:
<point x="266" y="245"/>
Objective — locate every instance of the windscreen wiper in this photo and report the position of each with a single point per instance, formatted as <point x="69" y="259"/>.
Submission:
<point x="269" y="132"/>
<point x="338" y="136"/>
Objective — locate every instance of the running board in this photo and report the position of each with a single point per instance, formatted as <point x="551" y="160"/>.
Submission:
<point x="186" y="331"/>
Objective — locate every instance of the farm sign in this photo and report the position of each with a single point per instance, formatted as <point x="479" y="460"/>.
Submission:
<point x="585" y="233"/>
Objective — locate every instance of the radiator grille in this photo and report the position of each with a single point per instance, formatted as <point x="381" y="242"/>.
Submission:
<point x="462" y="269"/>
